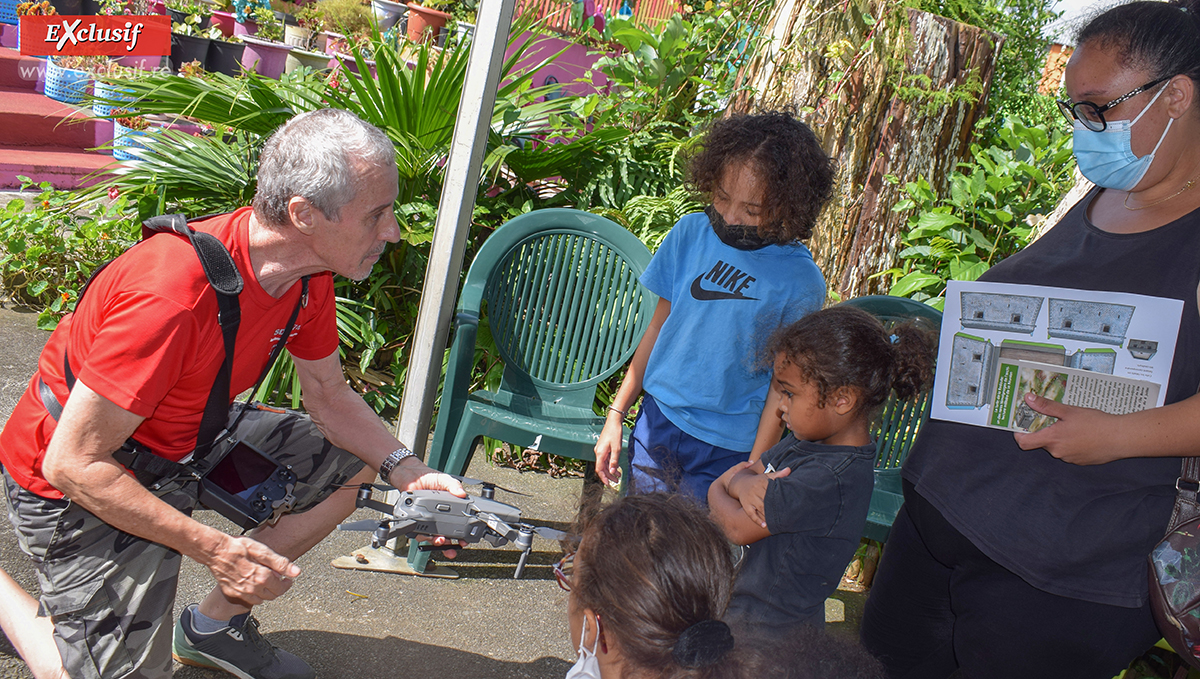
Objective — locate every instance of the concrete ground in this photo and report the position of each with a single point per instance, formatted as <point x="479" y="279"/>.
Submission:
<point x="361" y="624"/>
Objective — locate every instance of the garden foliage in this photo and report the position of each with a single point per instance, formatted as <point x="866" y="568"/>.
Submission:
<point x="993" y="204"/>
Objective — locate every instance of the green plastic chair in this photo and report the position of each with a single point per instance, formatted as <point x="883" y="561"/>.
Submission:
<point x="560" y="293"/>
<point x="900" y="421"/>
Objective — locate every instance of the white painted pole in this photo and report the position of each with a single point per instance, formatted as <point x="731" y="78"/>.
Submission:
<point x="453" y="221"/>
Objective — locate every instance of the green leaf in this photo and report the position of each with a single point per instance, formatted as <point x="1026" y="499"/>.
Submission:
<point x="966" y="270"/>
<point x="913" y="282"/>
<point x="930" y="223"/>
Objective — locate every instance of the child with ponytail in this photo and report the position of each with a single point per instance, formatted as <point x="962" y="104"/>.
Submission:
<point x="802" y="506"/>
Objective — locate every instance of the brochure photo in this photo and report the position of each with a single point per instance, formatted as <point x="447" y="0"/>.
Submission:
<point x="999" y="341"/>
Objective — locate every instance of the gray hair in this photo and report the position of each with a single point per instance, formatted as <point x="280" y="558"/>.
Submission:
<point x="318" y="156"/>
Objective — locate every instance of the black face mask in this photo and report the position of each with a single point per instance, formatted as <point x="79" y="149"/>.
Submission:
<point x="735" y="235"/>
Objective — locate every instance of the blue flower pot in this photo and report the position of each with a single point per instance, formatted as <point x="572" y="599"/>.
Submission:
<point x="125" y="140"/>
<point x="105" y="90"/>
<point x="66" y="84"/>
<point x="8" y="12"/>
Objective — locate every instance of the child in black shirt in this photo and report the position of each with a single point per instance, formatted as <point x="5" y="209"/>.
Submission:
<point x="801" y="507"/>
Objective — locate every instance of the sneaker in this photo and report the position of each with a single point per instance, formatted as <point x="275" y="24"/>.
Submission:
<point x="239" y="649"/>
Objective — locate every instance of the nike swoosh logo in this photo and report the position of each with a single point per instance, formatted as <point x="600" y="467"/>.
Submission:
<point x="707" y="295"/>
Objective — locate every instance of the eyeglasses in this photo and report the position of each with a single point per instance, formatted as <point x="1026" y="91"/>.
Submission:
<point x="563" y="570"/>
<point x="1091" y="115"/>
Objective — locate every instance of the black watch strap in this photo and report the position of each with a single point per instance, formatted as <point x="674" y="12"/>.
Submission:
<point x="389" y="463"/>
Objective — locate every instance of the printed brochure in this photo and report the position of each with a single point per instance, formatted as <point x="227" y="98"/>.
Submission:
<point x="999" y="341"/>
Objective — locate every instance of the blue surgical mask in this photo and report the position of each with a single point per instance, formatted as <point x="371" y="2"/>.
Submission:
<point x="1106" y="158"/>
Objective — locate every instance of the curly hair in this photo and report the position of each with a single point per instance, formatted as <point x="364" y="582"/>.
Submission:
<point x="789" y="160"/>
<point x="844" y="346"/>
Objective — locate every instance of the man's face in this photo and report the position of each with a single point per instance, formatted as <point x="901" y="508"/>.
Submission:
<point x="351" y="246"/>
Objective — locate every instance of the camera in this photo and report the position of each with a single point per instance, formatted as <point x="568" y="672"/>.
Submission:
<point x="248" y="486"/>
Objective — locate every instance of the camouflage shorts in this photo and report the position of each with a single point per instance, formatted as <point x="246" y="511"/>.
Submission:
<point x="111" y="594"/>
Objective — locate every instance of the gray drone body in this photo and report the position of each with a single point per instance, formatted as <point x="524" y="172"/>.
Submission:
<point x="437" y="512"/>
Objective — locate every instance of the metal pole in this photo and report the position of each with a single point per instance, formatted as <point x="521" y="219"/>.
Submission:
<point x="453" y="221"/>
<point x="438" y="296"/>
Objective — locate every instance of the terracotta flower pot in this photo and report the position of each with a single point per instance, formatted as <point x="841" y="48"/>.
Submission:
<point x="423" y="21"/>
<point x="268" y="59"/>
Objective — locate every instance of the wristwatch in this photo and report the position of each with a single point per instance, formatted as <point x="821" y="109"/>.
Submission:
<point x="390" y="462"/>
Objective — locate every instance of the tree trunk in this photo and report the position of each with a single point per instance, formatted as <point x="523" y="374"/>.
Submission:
<point x="899" y="96"/>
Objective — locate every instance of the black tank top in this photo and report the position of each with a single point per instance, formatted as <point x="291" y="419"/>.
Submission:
<point x="1079" y="532"/>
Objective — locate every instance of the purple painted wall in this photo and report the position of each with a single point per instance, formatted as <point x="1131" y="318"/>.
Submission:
<point x="569" y="68"/>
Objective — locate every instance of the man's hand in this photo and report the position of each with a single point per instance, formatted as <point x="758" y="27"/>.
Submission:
<point x="248" y="572"/>
<point x="412" y="474"/>
<point x="750" y="489"/>
<point x="608" y="450"/>
<point x="1082" y="436"/>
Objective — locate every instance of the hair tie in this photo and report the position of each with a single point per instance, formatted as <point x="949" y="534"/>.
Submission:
<point x="894" y="339"/>
<point x="702" y="644"/>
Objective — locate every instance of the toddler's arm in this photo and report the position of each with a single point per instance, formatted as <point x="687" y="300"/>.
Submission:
<point x="727" y="509"/>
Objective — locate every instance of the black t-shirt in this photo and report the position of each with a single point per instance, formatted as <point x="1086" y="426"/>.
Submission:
<point x="1076" y="531"/>
<point x="816" y="515"/>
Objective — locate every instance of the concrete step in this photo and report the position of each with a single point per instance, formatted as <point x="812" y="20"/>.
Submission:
<point x="31" y="119"/>
<point x="64" y="168"/>
<point x="18" y="72"/>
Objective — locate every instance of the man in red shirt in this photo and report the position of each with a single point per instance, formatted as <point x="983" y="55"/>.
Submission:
<point x="144" y="347"/>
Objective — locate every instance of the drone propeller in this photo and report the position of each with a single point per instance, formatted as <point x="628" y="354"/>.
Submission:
<point x="487" y="484"/>
<point x="368" y="525"/>
<point x="550" y="533"/>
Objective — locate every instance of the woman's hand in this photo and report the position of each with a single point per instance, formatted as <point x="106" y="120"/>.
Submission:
<point x="1082" y="436"/>
<point x="608" y="449"/>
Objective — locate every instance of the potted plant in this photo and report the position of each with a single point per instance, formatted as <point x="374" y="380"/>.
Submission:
<point x="189" y="41"/>
<point x="69" y="78"/>
<point x="243" y="15"/>
<point x="308" y="25"/>
<point x="108" y="94"/>
<point x="224" y="52"/>
<point x="222" y="17"/>
<point x="181" y="11"/>
<point x="425" y="22"/>
<point x="263" y="52"/>
<point x="128" y="131"/>
<point x="346" y="17"/>
<point x="388" y="13"/>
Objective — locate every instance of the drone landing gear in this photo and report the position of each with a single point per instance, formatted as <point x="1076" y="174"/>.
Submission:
<point x="386" y="560"/>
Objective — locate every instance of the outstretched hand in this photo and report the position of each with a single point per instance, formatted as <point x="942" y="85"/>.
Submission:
<point x="1082" y="436"/>
<point x="249" y="572"/>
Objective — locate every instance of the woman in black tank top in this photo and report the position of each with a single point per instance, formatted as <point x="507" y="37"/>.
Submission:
<point x="1025" y="556"/>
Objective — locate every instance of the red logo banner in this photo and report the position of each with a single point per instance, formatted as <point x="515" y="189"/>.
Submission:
<point x="114" y="36"/>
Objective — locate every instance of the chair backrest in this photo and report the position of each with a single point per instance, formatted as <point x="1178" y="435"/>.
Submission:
<point x="900" y="421"/>
<point x="560" y="292"/>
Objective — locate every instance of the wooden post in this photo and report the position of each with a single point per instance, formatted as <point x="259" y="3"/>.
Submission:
<point x="896" y="96"/>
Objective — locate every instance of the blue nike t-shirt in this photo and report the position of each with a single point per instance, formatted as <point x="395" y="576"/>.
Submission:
<point x="706" y="371"/>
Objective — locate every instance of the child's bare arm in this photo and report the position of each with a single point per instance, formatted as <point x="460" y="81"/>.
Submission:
<point x="749" y="486"/>
<point x="770" y="426"/>
<point x="727" y="511"/>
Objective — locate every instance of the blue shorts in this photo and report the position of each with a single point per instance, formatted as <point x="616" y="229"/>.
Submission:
<point x="664" y="458"/>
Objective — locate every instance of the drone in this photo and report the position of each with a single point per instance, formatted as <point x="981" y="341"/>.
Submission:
<point x="438" y="512"/>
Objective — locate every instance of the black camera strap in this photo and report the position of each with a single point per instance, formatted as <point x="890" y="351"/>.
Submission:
<point x="225" y="280"/>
